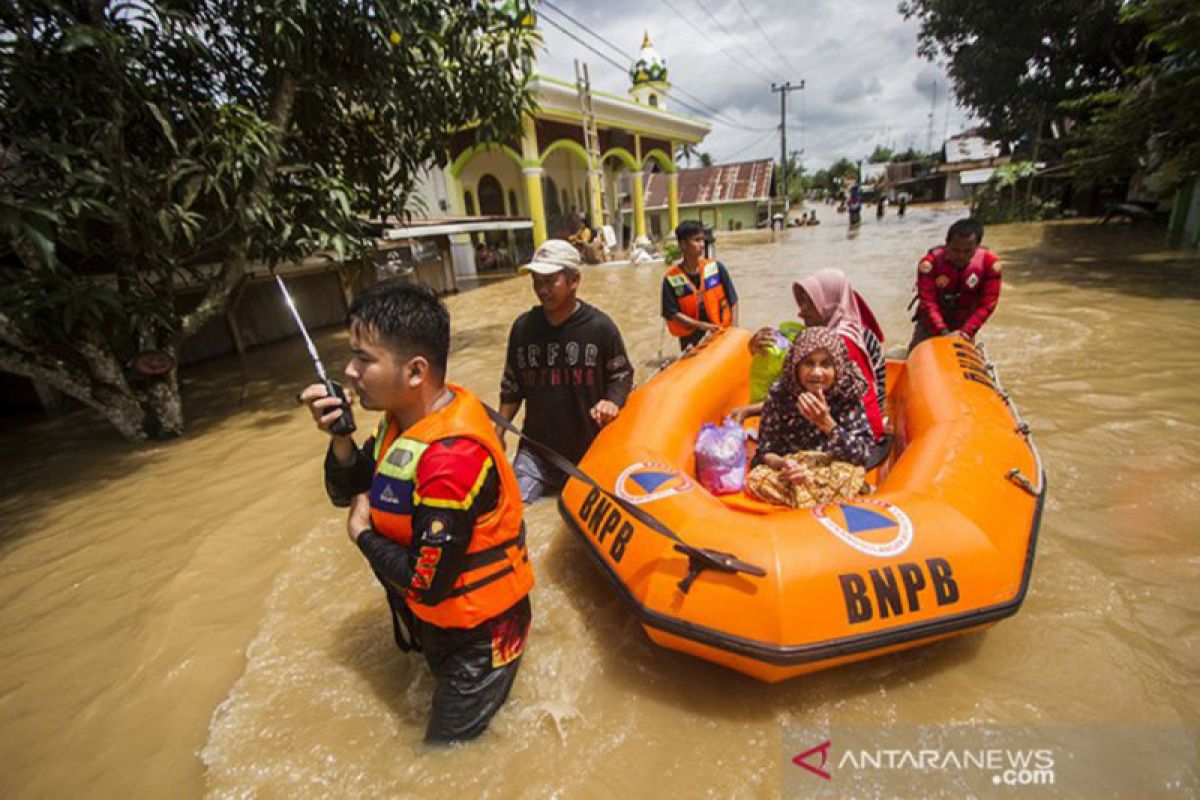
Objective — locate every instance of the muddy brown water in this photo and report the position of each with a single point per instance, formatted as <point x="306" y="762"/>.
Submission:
<point x="188" y="618"/>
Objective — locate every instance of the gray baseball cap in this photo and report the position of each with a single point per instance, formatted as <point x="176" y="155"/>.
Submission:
<point x="553" y="256"/>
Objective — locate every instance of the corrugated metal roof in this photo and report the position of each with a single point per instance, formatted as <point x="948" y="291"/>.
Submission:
<point x="748" y="180"/>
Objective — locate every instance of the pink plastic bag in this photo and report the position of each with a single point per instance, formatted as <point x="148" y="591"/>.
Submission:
<point x="721" y="457"/>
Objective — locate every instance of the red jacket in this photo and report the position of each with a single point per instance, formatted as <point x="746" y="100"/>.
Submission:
<point x="953" y="299"/>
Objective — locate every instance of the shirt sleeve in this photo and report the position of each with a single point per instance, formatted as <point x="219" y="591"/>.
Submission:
<point x="618" y="370"/>
<point x="670" y="305"/>
<point x="870" y="400"/>
<point x="510" y="384"/>
<point x="851" y="437"/>
<point x="927" y="297"/>
<point x="989" y="296"/>
<point x="342" y="483"/>
<point x="727" y="282"/>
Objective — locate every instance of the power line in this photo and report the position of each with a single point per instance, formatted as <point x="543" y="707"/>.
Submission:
<point x="615" y="48"/>
<point x="750" y="146"/>
<point x="712" y="112"/>
<point x="778" y="52"/>
<point x="721" y="26"/>
<point x="587" y="29"/>
<point x="722" y="48"/>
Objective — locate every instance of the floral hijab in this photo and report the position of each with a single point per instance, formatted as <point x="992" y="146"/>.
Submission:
<point x="849" y="385"/>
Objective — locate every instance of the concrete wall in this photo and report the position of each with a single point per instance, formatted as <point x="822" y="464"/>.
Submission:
<point x="262" y="316"/>
<point x="500" y="166"/>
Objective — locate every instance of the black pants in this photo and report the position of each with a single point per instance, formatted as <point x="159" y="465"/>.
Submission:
<point x="470" y="690"/>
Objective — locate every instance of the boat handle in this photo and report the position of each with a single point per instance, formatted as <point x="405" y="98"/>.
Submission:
<point x="702" y="558"/>
<point x="1016" y="477"/>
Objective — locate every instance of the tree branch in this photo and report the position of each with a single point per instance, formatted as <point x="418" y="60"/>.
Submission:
<point x="234" y="266"/>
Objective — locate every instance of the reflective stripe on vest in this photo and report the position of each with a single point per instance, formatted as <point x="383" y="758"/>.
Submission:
<point x="496" y="572"/>
<point x="716" y="305"/>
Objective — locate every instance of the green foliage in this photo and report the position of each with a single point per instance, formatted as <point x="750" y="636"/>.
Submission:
<point x="1014" y="64"/>
<point x="1149" y="125"/>
<point x="1000" y="201"/>
<point x="671" y="252"/>
<point x="147" y="146"/>
<point x="706" y="160"/>
<point x="881" y="155"/>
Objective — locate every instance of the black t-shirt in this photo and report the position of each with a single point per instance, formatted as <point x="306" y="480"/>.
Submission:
<point x="670" y="303"/>
<point x="561" y="372"/>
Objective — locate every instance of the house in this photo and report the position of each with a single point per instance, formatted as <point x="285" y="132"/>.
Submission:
<point x="726" y="197"/>
<point x="968" y="161"/>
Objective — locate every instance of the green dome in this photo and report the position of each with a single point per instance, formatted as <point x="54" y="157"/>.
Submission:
<point x="650" y="66"/>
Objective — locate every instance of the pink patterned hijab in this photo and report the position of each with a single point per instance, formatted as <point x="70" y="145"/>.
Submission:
<point x="838" y="304"/>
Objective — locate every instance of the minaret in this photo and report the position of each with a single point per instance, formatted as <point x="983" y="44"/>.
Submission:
<point x="649" y="76"/>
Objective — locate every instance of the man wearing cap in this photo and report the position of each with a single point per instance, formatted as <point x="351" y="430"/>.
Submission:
<point x="567" y="363"/>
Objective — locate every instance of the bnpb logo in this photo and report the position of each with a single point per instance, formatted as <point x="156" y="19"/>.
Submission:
<point x="647" y="481"/>
<point x="879" y="529"/>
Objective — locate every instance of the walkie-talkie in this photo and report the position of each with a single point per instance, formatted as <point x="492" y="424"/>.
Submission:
<point x="343" y="425"/>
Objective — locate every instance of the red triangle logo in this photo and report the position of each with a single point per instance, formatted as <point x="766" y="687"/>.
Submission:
<point x="818" y="770"/>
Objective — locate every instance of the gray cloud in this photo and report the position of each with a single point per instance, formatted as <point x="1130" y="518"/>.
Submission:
<point x="865" y="84"/>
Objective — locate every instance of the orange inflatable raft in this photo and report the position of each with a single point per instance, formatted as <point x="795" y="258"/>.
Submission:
<point x="944" y="545"/>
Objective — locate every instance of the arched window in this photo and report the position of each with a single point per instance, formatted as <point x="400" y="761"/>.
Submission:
<point x="654" y="101"/>
<point x="550" y="193"/>
<point x="491" y="197"/>
<point x="513" y="209"/>
<point x="469" y="203"/>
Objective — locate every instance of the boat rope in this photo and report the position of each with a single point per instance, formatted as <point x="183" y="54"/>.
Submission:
<point x="699" y="558"/>
<point x="1022" y="427"/>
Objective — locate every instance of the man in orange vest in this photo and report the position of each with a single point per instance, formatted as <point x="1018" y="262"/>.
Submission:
<point x="434" y="506"/>
<point x="697" y="293"/>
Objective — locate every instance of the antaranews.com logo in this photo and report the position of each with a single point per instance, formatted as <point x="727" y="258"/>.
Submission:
<point x="983" y="761"/>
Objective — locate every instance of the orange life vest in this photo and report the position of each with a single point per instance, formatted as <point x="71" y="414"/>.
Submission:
<point x="497" y="572"/>
<point x="711" y="294"/>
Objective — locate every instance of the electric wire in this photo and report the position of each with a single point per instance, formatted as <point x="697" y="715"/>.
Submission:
<point x="722" y="27"/>
<point x="768" y="39"/>
<point x="716" y="116"/>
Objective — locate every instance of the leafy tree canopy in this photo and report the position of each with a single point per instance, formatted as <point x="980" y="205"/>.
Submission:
<point x="147" y="146"/>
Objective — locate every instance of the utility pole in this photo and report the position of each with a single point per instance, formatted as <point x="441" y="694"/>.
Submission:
<point x="932" y="108"/>
<point x="783" y="154"/>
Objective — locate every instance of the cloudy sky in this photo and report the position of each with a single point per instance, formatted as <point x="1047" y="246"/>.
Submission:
<point x="864" y="83"/>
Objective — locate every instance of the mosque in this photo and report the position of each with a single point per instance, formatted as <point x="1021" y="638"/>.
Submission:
<point x="582" y="152"/>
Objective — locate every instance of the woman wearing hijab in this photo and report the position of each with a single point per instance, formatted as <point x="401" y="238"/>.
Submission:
<point x="826" y="299"/>
<point x="816" y="404"/>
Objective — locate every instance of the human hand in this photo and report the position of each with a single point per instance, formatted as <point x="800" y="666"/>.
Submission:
<point x="963" y="335"/>
<point x="501" y="434"/>
<point x="761" y="340"/>
<point x="793" y="471"/>
<point x="815" y="409"/>
<point x="359" y="518"/>
<point x="325" y="410"/>
<point x="739" y="414"/>
<point x="604" y="412"/>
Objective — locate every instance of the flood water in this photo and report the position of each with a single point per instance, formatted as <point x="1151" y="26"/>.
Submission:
<point x="189" y="619"/>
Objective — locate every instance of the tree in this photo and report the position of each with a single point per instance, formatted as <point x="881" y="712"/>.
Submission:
<point x="881" y="155"/>
<point x="706" y="160"/>
<point x="912" y="154"/>
<point x="1149" y="126"/>
<point x="686" y="152"/>
<point x="151" y="146"/>
<point x="1015" y="64"/>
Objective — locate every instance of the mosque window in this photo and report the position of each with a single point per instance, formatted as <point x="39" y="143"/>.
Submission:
<point x="491" y="196"/>
<point x="469" y="203"/>
<point x="513" y="208"/>
<point x="654" y="101"/>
